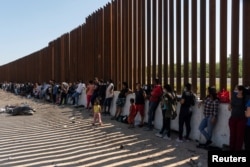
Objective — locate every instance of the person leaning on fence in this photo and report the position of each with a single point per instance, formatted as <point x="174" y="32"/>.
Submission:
<point x="109" y="94"/>
<point x="155" y="97"/>
<point x="247" y="131"/>
<point x="187" y="101"/>
<point x="64" y="92"/>
<point x="121" y="100"/>
<point x="237" y="121"/>
<point x="211" y="104"/>
<point x="102" y="91"/>
<point x="89" y="92"/>
<point x="96" y="90"/>
<point x="80" y="87"/>
<point x="168" y="105"/>
<point x="140" y="96"/>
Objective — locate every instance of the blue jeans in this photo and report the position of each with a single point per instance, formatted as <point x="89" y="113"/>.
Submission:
<point x="206" y="123"/>
<point x="76" y="96"/>
<point x="151" y="112"/>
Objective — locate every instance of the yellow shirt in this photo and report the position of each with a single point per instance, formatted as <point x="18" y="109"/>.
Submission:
<point x="97" y="108"/>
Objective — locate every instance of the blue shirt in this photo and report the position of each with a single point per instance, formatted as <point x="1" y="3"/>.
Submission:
<point x="248" y="119"/>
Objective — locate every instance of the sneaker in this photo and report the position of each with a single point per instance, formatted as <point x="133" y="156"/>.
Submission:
<point x="179" y="140"/>
<point x="187" y="139"/>
<point x="131" y="127"/>
<point x="158" y="135"/>
<point x="148" y="129"/>
<point x="166" y="137"/>
<point x="208" y="142"/>
<point x="140" y="126"/>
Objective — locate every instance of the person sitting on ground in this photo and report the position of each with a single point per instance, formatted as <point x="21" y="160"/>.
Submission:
<point x="132" y="114"/>
<point x="211" y="105"/>
<point x="121" y="100"/>
<point x="97" y="113"/>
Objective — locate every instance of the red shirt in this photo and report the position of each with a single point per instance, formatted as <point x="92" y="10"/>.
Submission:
<point x="156" y="93"/>
<point x="132" y="109"/>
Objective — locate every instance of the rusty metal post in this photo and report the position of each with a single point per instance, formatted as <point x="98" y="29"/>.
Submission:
<point x="202" y="49"/>
<point x="171" y="42"/>
<point x="178" y="47"/>
<point x="186" y="42"/>
<point x="166" y="35"/>
<point x="212" y="42"/>
<point x="235" y="44"/>
<point x="135" y="55"/>
<point x="140" y="43"/>
<point x="148" y="41"/>
<point x="246" y="42"/>
<point x="124" y="43"/>
<point x="143" y="45"/>
<point x="154" y="51"/>
<point x="119" y="49"/>
<point x="194" y="45"/>
<point x="160" y="16"/>
<point x="223" y="44"/>
<point x="130" y="43"/>
<point x="114" y="40"/>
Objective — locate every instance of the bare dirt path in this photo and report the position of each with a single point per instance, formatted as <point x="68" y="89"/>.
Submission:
<point x="64" y="136"/>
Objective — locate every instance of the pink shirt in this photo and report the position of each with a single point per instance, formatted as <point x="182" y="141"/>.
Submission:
<point x="90" y="89"/>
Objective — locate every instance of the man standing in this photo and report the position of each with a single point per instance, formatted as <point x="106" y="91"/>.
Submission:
<point x="78" y="91"/>
<point x="187" y="101"/>
<point x="154" y="100"/>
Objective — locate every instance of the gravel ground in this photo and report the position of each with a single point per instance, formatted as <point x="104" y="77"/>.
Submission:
<point x="64" y="136"/>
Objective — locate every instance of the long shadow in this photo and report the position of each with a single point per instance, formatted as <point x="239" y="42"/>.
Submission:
<point x="43" y="140"/>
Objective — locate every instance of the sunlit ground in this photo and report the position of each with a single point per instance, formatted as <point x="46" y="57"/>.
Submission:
<point x="57" y="136"/>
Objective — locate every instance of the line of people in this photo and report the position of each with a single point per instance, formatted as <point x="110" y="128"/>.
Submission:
<point x="100" y="95"/>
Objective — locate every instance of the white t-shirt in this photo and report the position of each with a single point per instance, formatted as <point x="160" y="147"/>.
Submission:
<point x="80" y="88"/>
<point x="110" y="91"/>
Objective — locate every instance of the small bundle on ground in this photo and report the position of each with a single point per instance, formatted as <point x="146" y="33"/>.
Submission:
<point x="23" y="109"/>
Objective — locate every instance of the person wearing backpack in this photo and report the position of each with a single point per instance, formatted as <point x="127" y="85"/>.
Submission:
<point x="168" y="106"/>
<point x="187" y="101"/>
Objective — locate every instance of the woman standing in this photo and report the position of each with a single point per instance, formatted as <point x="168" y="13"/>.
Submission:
<point x="89" y="92"/>
<point x="167" y="97"/>
<point x="121" y="100"/>
<point x="211" y="104"/>
<point x="237" y="121"/>
<point x="247" y="132"/>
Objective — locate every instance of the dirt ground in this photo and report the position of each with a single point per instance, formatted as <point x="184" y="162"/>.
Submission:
<point x="64" y="136"/>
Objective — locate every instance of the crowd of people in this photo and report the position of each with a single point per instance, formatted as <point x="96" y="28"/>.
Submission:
<point x="100" y="95"/>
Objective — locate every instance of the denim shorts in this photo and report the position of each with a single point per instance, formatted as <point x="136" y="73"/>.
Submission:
<point x="121" y="102"/>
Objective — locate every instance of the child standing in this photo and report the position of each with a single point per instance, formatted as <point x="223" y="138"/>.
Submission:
<point x="97" y="112"/>
<point x="132" y="113"/>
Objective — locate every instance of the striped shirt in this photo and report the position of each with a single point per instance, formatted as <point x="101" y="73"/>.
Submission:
<point x="211" y="107"/>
